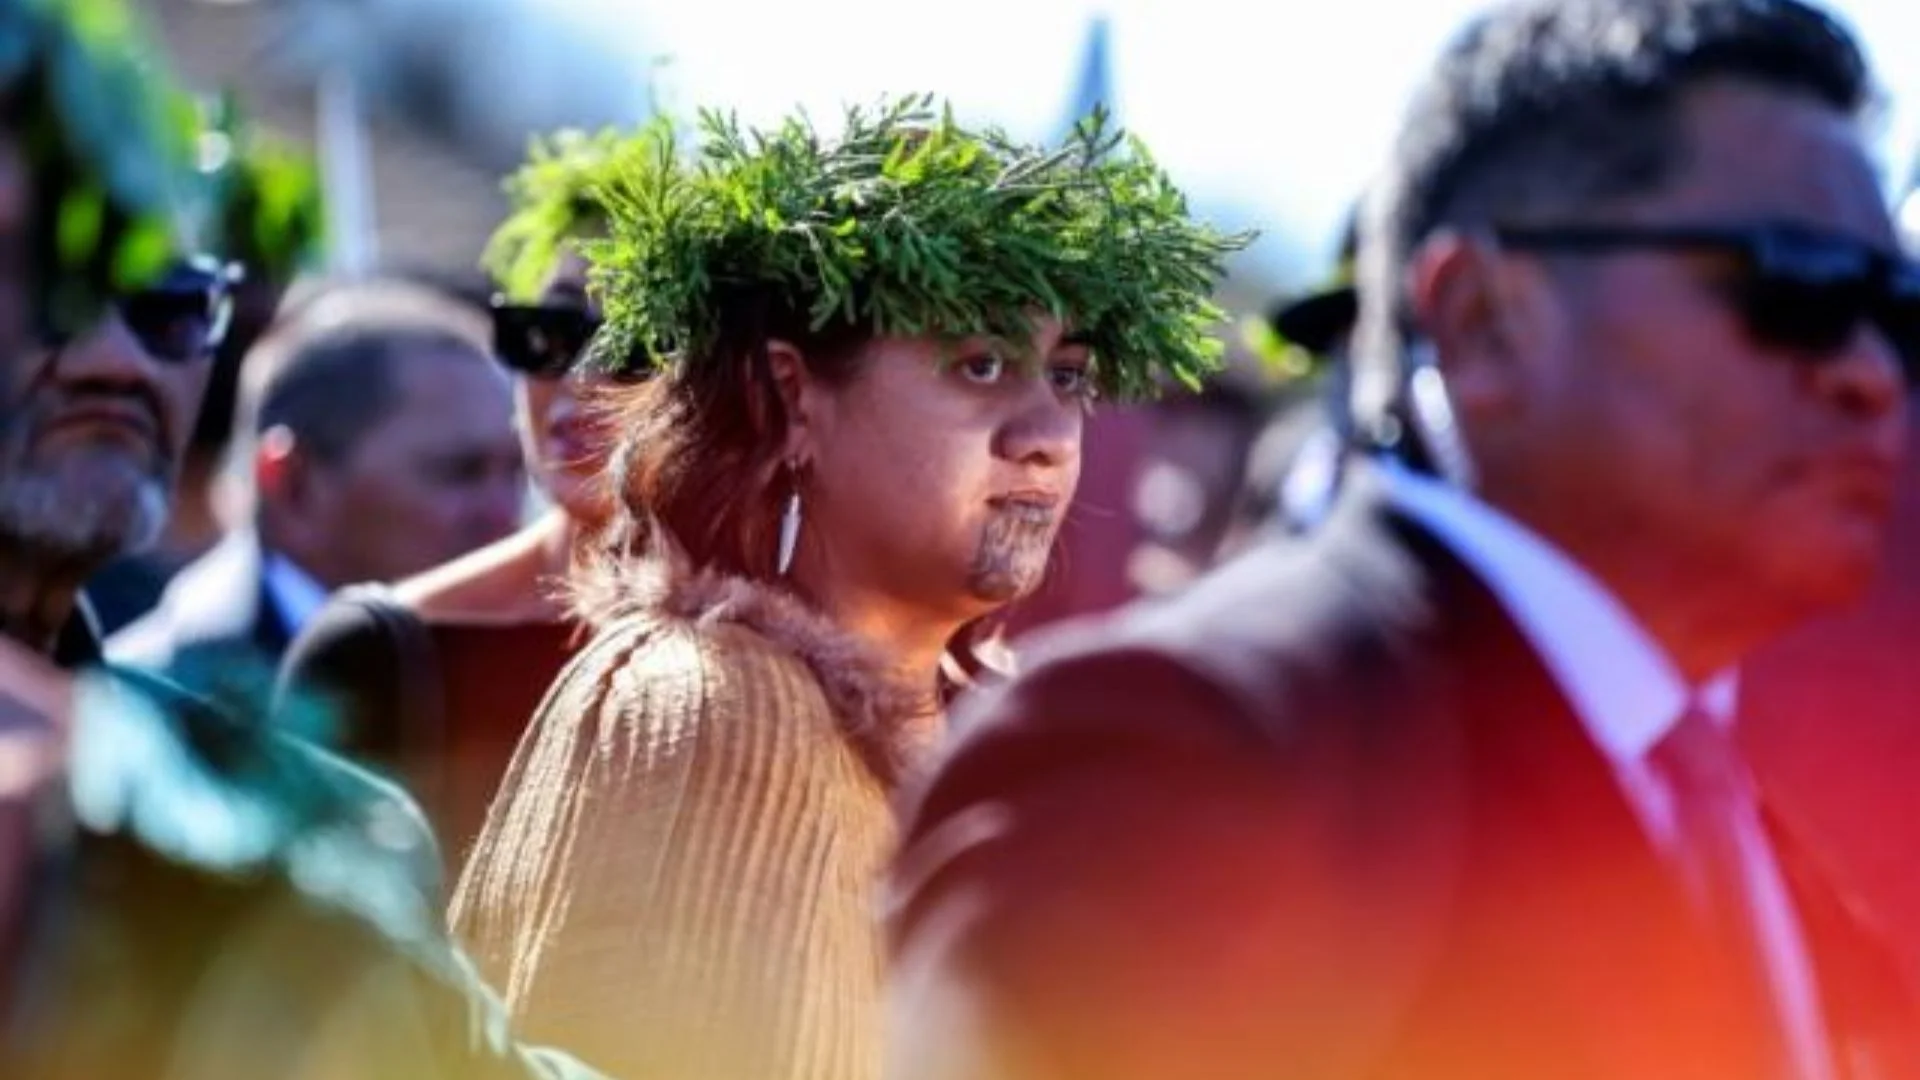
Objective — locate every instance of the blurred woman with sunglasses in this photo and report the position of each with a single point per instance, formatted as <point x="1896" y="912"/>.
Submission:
<point x="434" y="678"/>
<point x="872" y="356"/>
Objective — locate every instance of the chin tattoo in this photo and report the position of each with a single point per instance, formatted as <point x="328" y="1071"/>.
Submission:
<point x="1012" y="557"/>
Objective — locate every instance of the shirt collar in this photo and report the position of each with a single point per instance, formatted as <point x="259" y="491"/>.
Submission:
<point x="1623" y="685"/>
<point x="294" y="592"/>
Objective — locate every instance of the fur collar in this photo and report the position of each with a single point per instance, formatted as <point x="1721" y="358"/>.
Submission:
<point x="893" y="726"/>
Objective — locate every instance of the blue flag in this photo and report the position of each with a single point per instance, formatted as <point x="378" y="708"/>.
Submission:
<point x="1094" y="85"/>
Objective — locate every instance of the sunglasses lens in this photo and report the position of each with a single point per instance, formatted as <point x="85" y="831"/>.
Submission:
<point x="185" y="317"/>
<point x="543" y="342"/>
<point x="1815" y="319"/>
<point x="175" y="325"/>
<point x="1798" y="290"/>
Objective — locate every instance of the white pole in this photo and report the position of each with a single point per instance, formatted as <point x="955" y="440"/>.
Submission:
<point x="346" y="166"/>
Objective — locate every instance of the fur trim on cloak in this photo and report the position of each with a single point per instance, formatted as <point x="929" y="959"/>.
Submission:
<point x="893" y="726"/>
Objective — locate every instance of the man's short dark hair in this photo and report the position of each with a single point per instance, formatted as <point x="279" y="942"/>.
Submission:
<point x="329" y="376"/>
<point x="1543" y="106"/>
<point x="342" y="384"/>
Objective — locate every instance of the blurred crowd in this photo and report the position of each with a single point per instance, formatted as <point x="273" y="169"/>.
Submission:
<point x="844" y="604"/>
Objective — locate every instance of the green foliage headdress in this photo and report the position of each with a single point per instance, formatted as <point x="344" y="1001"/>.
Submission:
<point x="263" y="196"/>
<point x="908" y="223"/>
<point x="555" y="201"/>
<point x="107" y="137"/>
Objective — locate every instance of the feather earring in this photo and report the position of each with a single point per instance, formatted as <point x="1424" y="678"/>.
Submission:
<point x="790" y="527"/>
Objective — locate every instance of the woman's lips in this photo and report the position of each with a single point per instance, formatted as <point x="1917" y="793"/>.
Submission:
<point x="1032" y="506"/>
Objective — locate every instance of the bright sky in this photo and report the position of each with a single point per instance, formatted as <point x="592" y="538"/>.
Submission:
<point x="1270" y="114"/>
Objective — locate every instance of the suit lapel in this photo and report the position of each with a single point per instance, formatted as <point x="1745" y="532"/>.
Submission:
<point x="1584" y="913"/>
<point x="1533" y="752"/>
<point x="1572" y="925"/>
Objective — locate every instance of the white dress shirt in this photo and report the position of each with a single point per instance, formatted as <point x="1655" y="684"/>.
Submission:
<point x="294" y="592"/>
<point x="1628" y="694"/>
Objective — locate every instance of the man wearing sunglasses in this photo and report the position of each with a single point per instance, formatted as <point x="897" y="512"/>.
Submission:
<point x="1448" y="790"/>
<point x="91" y="431"/>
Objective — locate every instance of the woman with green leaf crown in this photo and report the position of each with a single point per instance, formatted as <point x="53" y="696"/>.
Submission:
<point x="436" y="677"/>
<point x="872" y="354"/>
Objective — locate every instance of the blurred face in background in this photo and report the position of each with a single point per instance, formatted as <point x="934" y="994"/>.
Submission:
<point x="1185" y="494"/>
<point x="437" y="476"/>
<point x="565" y="446"/>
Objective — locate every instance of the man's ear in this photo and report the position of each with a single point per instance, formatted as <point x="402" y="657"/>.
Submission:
<point x="280" y="473"/>
<point x="1471" y="302"/>
<point x="799" y="397"/>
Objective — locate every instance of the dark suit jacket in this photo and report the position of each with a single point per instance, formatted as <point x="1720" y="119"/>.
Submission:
<point x="215" y="610"/>
<point x="217" y="900"/>
<point x="130" y="587"/>
<point x="1325" y="816"/>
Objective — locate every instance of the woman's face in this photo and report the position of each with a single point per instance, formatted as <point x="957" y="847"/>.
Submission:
<point x="938" y="476"/>
<point x="566" y="451"/>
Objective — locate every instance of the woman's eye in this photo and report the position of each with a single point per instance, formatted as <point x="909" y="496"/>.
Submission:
<point x="984" y="368"/>
<point x="1072" y="380"/>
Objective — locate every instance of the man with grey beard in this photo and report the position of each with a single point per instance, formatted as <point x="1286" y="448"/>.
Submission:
<point x="269" y="911"/>
<point x="90" y="431"/>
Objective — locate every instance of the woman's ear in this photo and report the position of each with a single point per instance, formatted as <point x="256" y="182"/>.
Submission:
<point x="798" y="398"/>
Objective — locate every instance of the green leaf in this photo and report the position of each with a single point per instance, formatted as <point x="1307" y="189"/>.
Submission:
<point x="109" y="136"/>
<point x="907" y="222"/>
<point x="82" y="217"/>
<point x="142" y="256"/>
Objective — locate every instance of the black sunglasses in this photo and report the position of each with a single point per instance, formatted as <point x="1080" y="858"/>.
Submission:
<point x="185" y="315"/>
<point x="542" y="341"/>
<point x="1795" y="288"/>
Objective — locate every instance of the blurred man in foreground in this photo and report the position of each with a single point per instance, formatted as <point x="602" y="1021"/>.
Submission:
<point x="1447" y="789"/>
<point x="182" y="894"/>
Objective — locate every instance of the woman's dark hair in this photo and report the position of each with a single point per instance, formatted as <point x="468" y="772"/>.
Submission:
<point x="697" y="448"/>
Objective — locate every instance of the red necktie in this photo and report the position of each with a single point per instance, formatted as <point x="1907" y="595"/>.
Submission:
<point x="1717" y="819"/>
